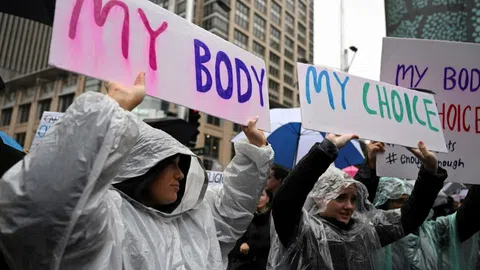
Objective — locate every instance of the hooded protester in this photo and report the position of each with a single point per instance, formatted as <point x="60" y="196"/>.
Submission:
<point x="59" y="209"/>
<point x="251" y="250"/>
<point x="445" y="243"/>
<point x="338" y="228"/>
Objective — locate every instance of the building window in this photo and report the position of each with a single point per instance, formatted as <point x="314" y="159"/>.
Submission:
<point x="261" y="6"/>
<point x="302" y="11"/>
<point x="288" y="68"/>
<point x="212" y="120"/>
<point x="291" y="5"/>
<point x="288" y="93"/>
<point x="301" y="53"/>
<point x="258" y="50"/>
<point x="273" y="86"/>
<point x="92" y="84"/>
<point x="259" y="27"/>
<point x="302" y="31"/>
<point x="242" y="15"/>
<point x="240" y="40"/>
<point x="215" y="23"/>
<point x="23" y="113"/>
<point x="290" y="24"/>
<point x="20" y="138"/>
<point x="71" y="80"/>
<point x="274" y="59"/>
<point x="274" y="71"/>
<point x="237" y="128"/>
<point x="288" y="79"/>
<point x="275" y="38"/>
<point x="287" y="104"/>
<point x="43" y="105"/>
<point x="212" y="146"/>
<point x="275" y="13"/>
<point x="64" y="102"/>
<point x="214" y="8"/>
<point x="6" y="117"/>
<point x="288" y="74"/>
<point x="180" y="7"/>
<point x="288" y="51"/>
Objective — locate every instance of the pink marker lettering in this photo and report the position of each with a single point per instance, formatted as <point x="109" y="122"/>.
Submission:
<point x="152" y="55"/>
<point x="101" y="15"/>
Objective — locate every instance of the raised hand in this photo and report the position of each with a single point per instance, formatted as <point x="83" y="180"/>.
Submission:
<point x="373" y="148"/>
<point x="254" y="136"/>
<point x="340" y="140"/>
<point x="244" y="248"/>
<point x="128" y="97"/>
<point x="429" y="159"/>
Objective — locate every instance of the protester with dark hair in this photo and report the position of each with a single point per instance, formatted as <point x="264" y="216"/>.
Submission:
<point x="251" y="250"/>
<point x="275" y="179"/>
<point x="106" y="191"/>
<point x="324" y="220"/>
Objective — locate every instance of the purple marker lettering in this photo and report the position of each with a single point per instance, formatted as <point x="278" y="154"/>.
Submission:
<point x="152" y="55"/>
<point x="100" y="15"/>
<point x="260" y="82"/>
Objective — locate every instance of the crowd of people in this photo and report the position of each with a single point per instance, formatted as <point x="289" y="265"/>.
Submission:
<point x="104" y="190"/>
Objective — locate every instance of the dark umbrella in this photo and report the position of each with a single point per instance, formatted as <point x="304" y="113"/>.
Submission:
<point x="180" y="129"/>
<point x="41" y="11"/>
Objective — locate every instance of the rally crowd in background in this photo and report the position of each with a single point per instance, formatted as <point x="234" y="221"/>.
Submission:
<point x="106" y="191"/>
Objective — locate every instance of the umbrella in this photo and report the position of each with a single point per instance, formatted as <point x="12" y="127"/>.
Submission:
<point x="10" y="141"/>
<point x="178" y="128"/>
<point x="291" y="142"/>
<point x="351" y="170"/>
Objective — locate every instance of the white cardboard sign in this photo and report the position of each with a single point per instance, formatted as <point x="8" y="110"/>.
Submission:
<point x="215" y="178"/>
<point x="333" y="101"/>
<point x="452" y="71"/>
<point x="46" y="122"/>
<point x="184" y="64"/>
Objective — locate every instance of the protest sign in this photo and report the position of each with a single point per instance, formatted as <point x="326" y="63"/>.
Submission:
<point x="184" y="63"/>
<point x="46" y="122"/>
<point x="450" y="70"/>
<point x="340" y="103"/>
<point x="215" y="178"/>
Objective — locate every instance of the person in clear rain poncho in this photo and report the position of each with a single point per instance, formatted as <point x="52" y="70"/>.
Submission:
<point x="449" y="242"/>
<point x="59" y="209"/>
<point x="330" y="224"/>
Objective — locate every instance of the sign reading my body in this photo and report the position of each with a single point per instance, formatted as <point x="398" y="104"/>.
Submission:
<point x="202" y="53"/>
<point x="454" y="117"/>
<point x="390" y="104"/>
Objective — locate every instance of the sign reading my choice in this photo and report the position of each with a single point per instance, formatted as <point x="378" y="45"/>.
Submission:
<point x="184" y="64"/>
<point x="336" y="102"/>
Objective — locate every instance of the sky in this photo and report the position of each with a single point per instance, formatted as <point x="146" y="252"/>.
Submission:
<point x="364" y="29"/>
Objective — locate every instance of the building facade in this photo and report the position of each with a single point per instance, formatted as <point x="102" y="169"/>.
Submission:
<point x="278" y="31"/>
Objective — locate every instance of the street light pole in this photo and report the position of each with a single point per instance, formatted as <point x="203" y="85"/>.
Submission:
<point x="343" y="50"/>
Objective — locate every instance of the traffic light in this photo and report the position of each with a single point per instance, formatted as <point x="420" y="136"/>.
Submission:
<point x="194" y="119"/>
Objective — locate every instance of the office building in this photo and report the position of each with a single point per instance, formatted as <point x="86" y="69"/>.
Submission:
<point x="278" y="31"/>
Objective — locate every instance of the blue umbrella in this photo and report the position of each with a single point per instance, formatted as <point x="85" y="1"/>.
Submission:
<point x="291" y="142"/>
<point x="10" y="141"/>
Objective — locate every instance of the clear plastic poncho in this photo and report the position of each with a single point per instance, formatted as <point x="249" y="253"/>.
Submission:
<point x="435" y="246"/>
<point x="59" y="210"/>
<point x="321" y="244"/>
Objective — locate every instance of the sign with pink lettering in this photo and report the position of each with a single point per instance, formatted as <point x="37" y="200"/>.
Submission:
<point x="184" y="64"/>
<point x="451" y="71"/>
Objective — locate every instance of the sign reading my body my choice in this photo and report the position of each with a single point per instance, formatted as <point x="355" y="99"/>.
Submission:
<point x="337" y="102"/>
<point x="184" y="64"/>
<point x="451" y="70"/>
